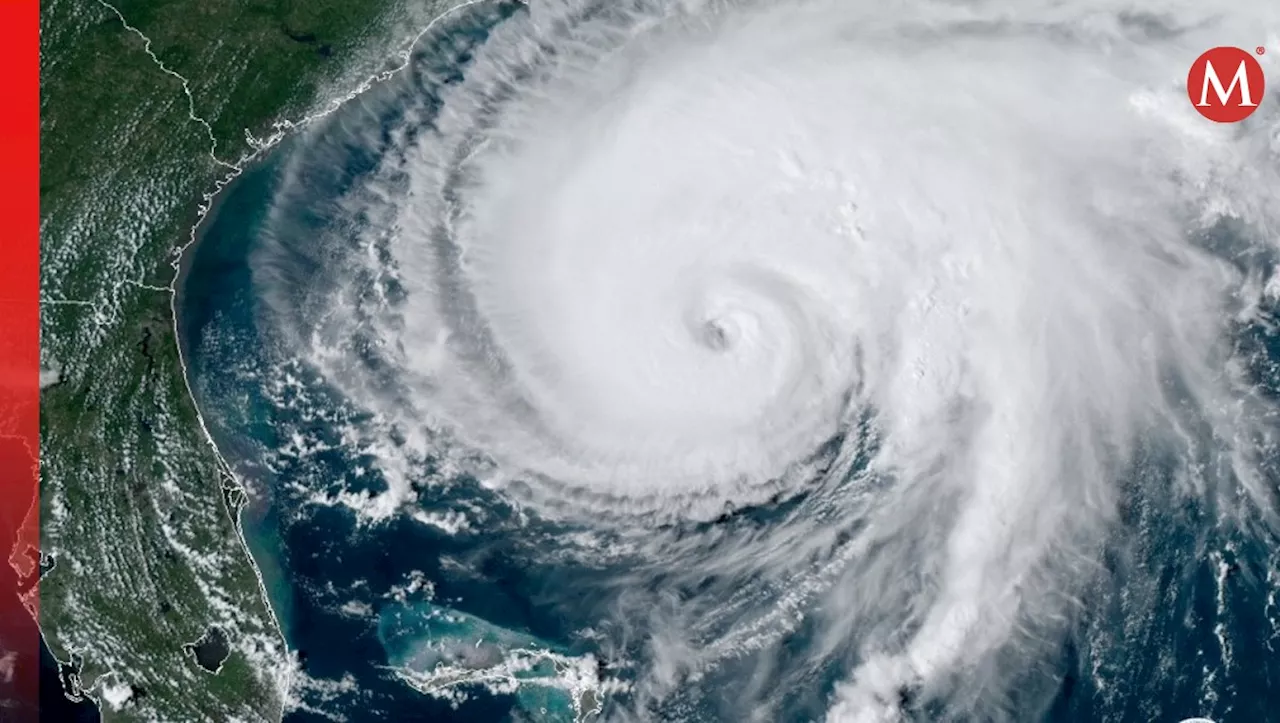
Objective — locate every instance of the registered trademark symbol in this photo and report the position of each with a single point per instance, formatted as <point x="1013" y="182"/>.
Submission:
<point x="1260" y="50"/>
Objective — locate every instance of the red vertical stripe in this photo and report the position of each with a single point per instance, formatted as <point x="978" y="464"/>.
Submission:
<point x="19" y="355"/>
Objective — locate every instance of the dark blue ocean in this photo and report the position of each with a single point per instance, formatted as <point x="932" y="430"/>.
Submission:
<point x="357" y="599"/>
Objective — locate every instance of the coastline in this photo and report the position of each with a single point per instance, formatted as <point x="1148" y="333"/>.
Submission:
<point x="212" y="203"/>
<point x="272" y="585"/>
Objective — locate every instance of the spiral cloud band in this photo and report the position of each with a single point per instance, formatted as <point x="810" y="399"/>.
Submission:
<point x="944" y="273"/>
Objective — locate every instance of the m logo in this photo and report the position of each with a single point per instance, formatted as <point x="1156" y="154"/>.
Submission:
<point x="1226" y="84"/>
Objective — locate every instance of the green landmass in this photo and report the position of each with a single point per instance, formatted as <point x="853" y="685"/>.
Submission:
<point x="138" y="515"/>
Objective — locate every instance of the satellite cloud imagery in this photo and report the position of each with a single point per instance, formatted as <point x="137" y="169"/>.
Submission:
<point x="689" y="361"/>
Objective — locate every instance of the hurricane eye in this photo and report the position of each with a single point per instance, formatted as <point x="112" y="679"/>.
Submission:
<point x="715" y="336"/>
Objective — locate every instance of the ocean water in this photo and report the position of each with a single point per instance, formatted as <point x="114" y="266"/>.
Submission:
<point x="467" y="506"/>
<point x="54" y="704"/>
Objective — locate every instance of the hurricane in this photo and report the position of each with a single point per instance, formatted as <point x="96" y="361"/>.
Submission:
<point x="822" y="360"/>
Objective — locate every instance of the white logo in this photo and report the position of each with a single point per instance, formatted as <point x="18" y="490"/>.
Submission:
<point x="1241" y="78"/>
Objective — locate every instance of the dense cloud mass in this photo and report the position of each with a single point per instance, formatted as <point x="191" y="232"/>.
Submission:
<point x="949" y="289"/>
